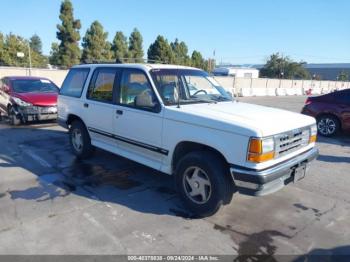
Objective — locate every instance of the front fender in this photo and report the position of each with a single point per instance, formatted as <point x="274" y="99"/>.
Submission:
<point x="232" y="146"/>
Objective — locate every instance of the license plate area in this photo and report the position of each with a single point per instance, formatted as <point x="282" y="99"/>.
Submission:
<point x="49" y="110"/>
<point x="299" y="172"/>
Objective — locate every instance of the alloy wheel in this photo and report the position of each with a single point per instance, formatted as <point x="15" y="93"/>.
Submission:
<point x="197" y="185"/>
<point x="327" y="126"/>
<point x="77" y="140"/>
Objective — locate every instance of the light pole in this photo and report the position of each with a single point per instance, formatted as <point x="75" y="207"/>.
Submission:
<point x="281" y="76"/>
<point x="30" y="60"/>
<point x="21" y="55"/>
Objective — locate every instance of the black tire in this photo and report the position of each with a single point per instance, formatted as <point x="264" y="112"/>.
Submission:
<point x="13" y="119"/>
<point x="328" y="125"/>
<point x="211" y="168"/>
<point x="86" y="149"/>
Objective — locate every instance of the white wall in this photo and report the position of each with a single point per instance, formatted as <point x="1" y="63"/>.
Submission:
<point x="279" y="87"/>
<point x="236" y="85"/>
<point x="56" y="76"/>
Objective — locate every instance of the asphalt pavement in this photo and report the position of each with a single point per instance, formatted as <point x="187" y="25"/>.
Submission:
<point x="52" y="203"/>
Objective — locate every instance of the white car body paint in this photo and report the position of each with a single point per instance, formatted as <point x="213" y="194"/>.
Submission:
<point x="224" y="126"/>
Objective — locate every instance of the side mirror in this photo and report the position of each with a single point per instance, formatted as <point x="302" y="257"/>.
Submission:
<point x="145" y="99"/>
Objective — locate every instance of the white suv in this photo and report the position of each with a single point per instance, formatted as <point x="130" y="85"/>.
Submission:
<point x="180" y="121"/>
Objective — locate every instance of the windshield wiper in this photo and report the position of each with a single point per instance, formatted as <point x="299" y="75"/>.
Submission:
<point x="222" y="98"/>
<point x="205" y="101"/>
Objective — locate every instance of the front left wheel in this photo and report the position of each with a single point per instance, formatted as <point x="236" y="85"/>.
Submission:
<point x="14" y="120"/>
<point x="203" y="183"/>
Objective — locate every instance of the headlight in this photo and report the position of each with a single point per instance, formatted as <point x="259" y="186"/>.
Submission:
<point x="20" y="102"/>
<point x="313" y="134"/>
<point x="261" y="149"/>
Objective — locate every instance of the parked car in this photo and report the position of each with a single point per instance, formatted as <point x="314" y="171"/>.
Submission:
<point x="332" y="112"/>
<point x="25" y="99"/>
<point x="213" y="145"/>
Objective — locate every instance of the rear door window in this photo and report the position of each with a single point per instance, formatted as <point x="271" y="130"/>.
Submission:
<point x="102" y="85"/>
<point x="74" y="83"/>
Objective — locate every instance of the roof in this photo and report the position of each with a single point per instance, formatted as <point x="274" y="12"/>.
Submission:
<point x="145" y="67"/>
<point x="226" y="68"/>
<point x="321" y="65"/>
<point x="26" y="77"/>
<point x="329" y="65"/>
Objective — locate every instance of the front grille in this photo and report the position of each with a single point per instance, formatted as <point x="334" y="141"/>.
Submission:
<point x="291" y="141"/>
<point x="47" y="109"/>
<point x="34" y="110"/>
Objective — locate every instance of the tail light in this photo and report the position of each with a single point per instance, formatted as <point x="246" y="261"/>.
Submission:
<point x="308" y="101"/>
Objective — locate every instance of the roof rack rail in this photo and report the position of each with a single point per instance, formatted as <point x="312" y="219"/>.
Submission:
<point x="126" y="60"/>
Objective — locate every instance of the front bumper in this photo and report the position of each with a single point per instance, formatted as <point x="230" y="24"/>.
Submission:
<point x="36" y="113"/>
<point x="267" y="181"/>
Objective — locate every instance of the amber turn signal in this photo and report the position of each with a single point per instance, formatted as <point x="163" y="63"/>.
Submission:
<point x="255" y="146"/>
<point x="313" y="139"/>
<point x="257" y="158"/>
<point x="260" y="150"/>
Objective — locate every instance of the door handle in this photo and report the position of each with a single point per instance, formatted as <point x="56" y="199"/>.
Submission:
<point x="86" y="105"/>
<point x="119" y="112"/>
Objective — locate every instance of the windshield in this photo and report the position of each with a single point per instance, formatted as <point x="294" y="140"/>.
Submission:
<point x="34" y="85"/>
<point x="190" y="85"/>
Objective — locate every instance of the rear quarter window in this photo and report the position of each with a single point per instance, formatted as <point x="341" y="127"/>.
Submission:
<point x="74" y="83"/>
<point x="343" y="97"/>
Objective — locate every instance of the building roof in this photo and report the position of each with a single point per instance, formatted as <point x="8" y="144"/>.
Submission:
<point x="320" y="65"/>
<point x="329" y="65"/>
<point x="236" y="67"/>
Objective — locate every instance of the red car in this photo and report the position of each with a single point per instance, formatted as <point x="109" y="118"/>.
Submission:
<point x="26" y="99"/>
<point x="332" y="112"/>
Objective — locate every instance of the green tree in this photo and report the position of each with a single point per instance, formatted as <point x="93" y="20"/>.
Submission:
<point x="275" y="66"/>
<point x="39" y="60"/>
<point x="68" y="34"/>
<point x="278" y="66"/>
<point x="160" y="51"/>
<point x="120" y="47"/>
<point x="180" y="53"/>
<point x="296" y="70"/>
<point x="3" y="51"/>
<point x="54" y="54"/>
<point x="14" y="44"/>
<point x="198" y="61"/>
<point x="36" y="44"/>
<point x="343" y="76"/>
<point x="95" y="44"/>
<point x="135" y="46"/>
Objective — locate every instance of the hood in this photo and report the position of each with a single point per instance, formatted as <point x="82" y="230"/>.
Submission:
<point x="241" y="118"/>
<point x="39" y="99"/>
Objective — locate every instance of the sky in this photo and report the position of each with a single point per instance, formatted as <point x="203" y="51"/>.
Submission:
<point x="240" y="31"/>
